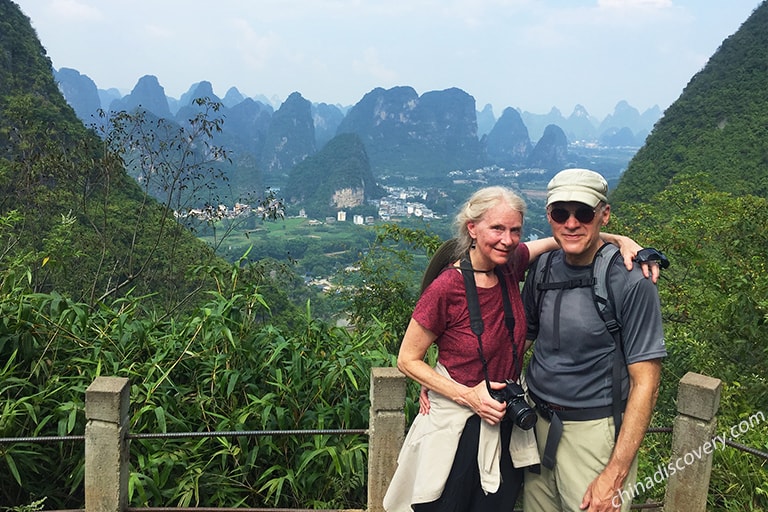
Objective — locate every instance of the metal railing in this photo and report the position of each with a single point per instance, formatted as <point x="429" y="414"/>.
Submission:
<point x="107" y="437"/>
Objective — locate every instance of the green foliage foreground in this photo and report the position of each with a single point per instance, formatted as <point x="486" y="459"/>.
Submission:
<point x="218" y="369"/>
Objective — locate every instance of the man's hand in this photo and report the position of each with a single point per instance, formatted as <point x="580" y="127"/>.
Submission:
<point x="602" y="495"/>
<point x="629" y="250"/>
<point x="650" y="258"/>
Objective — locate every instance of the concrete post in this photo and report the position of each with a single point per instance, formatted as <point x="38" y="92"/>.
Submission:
<point x="698" y="398"/>
<point x="386" y="431"/>
<point x="107" y="404"/>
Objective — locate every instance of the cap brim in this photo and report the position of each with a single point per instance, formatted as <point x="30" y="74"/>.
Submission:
<point x="573" y="196"/>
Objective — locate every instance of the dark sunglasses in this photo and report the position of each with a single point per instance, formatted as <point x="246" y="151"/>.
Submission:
<point x="583" y="214"/>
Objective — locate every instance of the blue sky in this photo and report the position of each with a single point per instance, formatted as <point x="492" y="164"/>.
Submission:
<point x="528" y="54"/>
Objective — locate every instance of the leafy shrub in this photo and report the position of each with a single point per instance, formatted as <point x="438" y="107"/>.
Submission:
<point x="219" y="369"/>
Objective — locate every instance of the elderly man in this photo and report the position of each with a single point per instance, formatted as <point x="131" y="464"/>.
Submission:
<point x="594" y="386"/>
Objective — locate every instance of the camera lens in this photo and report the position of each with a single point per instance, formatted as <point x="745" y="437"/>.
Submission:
<point x="525" y="418"/>
<point x="517" y="408"/>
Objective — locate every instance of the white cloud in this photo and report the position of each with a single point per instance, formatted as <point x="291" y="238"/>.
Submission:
<point x="631" y="4"/>
<point x="370" y="65"/>
<point x="158" y="32"/>
<point x="72" y="10"/>
<point x="256" y="48"/>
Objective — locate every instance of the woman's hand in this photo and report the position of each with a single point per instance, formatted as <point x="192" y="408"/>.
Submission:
<point x="485" y="406"/>
<point x="424" y="400"/>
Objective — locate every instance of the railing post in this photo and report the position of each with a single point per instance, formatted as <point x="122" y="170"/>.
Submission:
<point x="107" y="404"/>
<point x="698" y="398"/>
<point x="386" y="431"/>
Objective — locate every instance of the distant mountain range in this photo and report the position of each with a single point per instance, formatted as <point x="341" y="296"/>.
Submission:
<point x="403" y="133"/>
<point x="84" y="96"/>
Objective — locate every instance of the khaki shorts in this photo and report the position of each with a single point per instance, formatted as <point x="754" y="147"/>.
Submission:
<point x="582" y="453"/>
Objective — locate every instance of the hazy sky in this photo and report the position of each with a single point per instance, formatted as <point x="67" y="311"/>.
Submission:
<point x="528" y="54"/>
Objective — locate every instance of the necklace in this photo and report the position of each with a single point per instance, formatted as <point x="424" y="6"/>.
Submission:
<point x="478" y="271"/>
<point x="475" y="270"/>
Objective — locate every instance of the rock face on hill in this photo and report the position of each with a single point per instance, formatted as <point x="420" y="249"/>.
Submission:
<point x="406" y="133"/>
<point x="337" y="177"/>
<point x="508" y="143"/>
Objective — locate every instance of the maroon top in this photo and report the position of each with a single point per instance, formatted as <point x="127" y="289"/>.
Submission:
<point x="442" y="309"/>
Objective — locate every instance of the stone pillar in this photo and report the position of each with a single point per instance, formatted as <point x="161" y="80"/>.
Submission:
<point x="107" y="404"/>
<point x="386" y="431"/>
<point x="698" y="398"/>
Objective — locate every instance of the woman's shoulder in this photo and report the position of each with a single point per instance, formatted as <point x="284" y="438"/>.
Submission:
<point x="450" y="275"/>
<point x="446" y="281"/>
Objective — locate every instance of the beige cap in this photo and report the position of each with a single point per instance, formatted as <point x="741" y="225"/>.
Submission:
<point x="580" y="185"/>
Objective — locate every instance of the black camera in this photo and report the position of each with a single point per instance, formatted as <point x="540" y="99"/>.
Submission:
<point x="517" y="408"/>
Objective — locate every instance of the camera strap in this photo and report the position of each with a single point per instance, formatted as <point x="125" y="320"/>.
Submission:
<point x="476" y="319"/>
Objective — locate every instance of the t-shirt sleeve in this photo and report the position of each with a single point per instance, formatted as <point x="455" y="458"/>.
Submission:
<point x="642" y="330"/>
<point x="431" y="310"/>
<point x="519" y="262"/>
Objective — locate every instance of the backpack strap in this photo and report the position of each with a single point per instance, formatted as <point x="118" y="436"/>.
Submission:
<point x="473" y="303"/>
<point x="601" y="289"/>
<point x="509" y="321"/>
<point x="543" y="285"/>
<point x="602" y="293"/>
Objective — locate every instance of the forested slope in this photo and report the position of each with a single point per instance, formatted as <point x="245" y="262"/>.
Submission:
<point x="70" y="214"/>
<point x="718" y="126"/>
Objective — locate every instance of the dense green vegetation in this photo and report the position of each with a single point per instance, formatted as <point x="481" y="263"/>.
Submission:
<point x="219" y="368"/>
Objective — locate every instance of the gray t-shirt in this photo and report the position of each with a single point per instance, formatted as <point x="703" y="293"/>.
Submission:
<point x="572" y="367"/>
